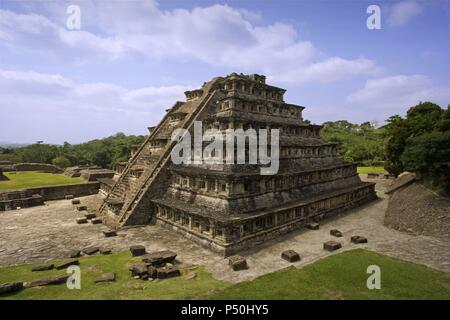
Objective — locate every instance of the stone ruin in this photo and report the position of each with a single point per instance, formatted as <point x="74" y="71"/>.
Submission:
<point x="2" y="176"/>
<point x="75" y="172"/>
<point x="232" y="207"/>
<point x="95" y="174"/>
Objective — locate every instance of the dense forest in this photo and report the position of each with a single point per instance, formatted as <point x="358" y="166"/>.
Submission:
<point x="104" y="153"/>
<point x="418" y="142"/>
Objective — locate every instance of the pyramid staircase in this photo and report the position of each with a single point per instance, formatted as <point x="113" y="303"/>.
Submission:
<point x="144" y="176"/>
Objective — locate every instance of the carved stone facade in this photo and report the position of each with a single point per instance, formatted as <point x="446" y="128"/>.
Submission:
<point x="231" y="207"/>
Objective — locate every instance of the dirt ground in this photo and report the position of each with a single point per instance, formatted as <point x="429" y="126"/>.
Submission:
<point x="48" y="232"/>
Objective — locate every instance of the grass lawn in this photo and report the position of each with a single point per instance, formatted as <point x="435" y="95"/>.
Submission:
<point x="30" y="179"/>
<point x="341" y="276"/>
<point x="371" y="169"/>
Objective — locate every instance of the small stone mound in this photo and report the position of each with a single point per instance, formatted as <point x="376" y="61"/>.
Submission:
<point x="106" y="277"/>
<point x="48" y="281"/>
<point x="358" y="239"/>
<point x="290" y="256"/>
<point x="8" y="288"/>
<point x="81" y="208"/>
<point x="336" y="233"/>
<point x="81" y="220"/>
<point x="91" y="250"/>
<point x="137" y="250"/>
<point x="313" y="226"/>
<point x="110" y="233"/>
<point x="67" y="264"/>
<point x="43" y="267"/>
<point x="76" y="201"/>
<point x="332" y="245"/>
<point x="159" y="257"/>
<point x="237" y="263"/>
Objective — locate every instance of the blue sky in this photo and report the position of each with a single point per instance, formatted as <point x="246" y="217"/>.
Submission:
<point x="131" y="60"/>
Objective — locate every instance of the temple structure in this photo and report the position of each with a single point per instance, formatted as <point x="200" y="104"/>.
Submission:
<point x="231" y="207"/>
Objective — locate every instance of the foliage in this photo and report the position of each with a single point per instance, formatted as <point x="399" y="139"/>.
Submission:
<point x="371" y="169"/>
<point x="104" y="153"/>
<point x="420" y="143"/>
<point x="359" y="143"/>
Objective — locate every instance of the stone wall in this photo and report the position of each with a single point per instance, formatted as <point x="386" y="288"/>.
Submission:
<point x="9" y="197"/>
<point x="42" y="167"/>
<point x="2" y="176"/>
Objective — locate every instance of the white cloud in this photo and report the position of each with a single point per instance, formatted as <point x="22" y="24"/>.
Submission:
<point x="395" y="94"/>
<point x="403" y="12"/>
<point x="52" y="105"/>
<point x="218" y="35"/>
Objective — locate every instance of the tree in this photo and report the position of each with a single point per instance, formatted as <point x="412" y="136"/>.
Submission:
<point x="61" y="162"/>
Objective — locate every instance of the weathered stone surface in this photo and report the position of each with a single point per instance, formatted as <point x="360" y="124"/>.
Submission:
<point x="90" y="216"/>
<point x="67" y="264"/>
<point x="159" y="257"/>
<point x="336" y="233"/>
<point x="74" y="254"/>
<point x="167" y="272"/>
<point x="91" y="250"/>
<point x="96" y="221"/>
<point x="107" y="277"/>
<point x="358" y="239"/>
<point x="139" y="269"/>
<point x="331" y="245"/>
<point x="313" y="226"/>
<point x="81" y="208"/>
<point x="43" y="267"/>
<point x="105" y="251"/>
<point x="137" y="250"/>
<point x="76" y="201"/>
<point x="152" y="272"/>
<point x="373" y="175"/>
<point x="110" y="233"/>
<point x="290" y="255"/>
<point x="69" y="197"/>
<point x="82" y="220"/>
<point x="237" y="263"/>
<point x="48" y="280"/>
<point x="7" y="288"/>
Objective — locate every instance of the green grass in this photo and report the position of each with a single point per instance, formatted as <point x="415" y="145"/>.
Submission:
<point x="125" y="286"/>
<point x="30" y="179"/>
<point x="371" y="169"/>
<point x="341" y="276"/>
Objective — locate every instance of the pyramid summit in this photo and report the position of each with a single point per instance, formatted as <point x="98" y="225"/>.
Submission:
<point x="225" y="206"/>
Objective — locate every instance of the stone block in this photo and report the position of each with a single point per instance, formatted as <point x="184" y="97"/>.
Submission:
<point x="44" y="267"/>
<point x="313" y="226"/>
<point x="76" y="201"/>
<point x="106" y="277"/>
<point x="97" y="221"/>
<point x="7" y="288"/>
<point x="372" y="175"/>
<point x="91" y="250"/>
<point x="237" y="263"/>
<point x="358" y="239"/>
<point x="81" y="208"/>
<point x="167" y="272"/>
<point x="105" y="251"/>
<point x="82" y="220"/>
<point x="64" y="265"/>
<point x="137" y="250"/>
<point x="152" y="272"/>
<point x="139" y="270"/>
<point x="74" y="253"/>
<point x="159" y="257"/>
<point x="331" y="245"/>
<point x="69" y="197"/>
<point x="336" y="233"/>
<point x="90" y="216"/>
<point x="48" y="280"/>
<point x="110" y="233"/>
<point x="290" y="255"/>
